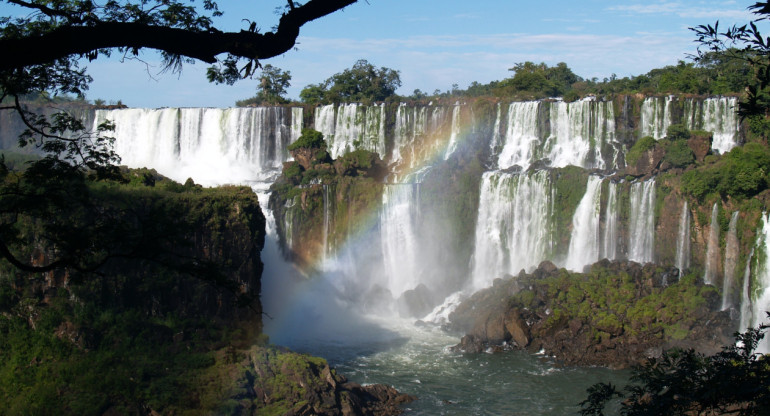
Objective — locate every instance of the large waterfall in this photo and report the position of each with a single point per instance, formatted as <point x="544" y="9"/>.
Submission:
<point x="519" y="217"/>
<point x="513" y="230"/>
<point x="759" y="288"/>
<point x="400" y="247"/>
<point x="683" y="240"/>
<point x="211" y="145"/>
<point x="712" y="251"/>
<point x="578" y="133"/>
<point x="610" y="239"/>
<point x="584" y="242"/>
<point x="641" y="234"/>
<point x="731" y="261"/>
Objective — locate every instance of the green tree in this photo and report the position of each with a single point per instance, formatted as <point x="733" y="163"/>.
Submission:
<point x="735" y="381"/>
<point x="273" y="83"/>
<point x="42" y="46"/>
<point x="362" y="82"/>
<point x="744" y="44"/>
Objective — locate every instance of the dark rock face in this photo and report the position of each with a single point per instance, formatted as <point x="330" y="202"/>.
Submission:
<point x="496" y="320"/>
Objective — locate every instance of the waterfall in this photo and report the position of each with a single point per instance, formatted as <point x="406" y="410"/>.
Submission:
<point x="452" y="146"/>
<point x="641" y="233"/>
<point x="211" y="145"/>
<point x="712" y="251"/>
<point x="610" y="239"/>
<point x="584" y="242"/>
<point x="655" y="116"/>
<point x="521" y="135"/>
<point x="513" y="225"/>
<point x="683" y="240"/>
<point x="568" y="143"/>
<point x="497" y="138"/>
<point x="326" y="225"/>
<point x="746" y="306"/>
<point x="720" y="117"/>
<point x="760" y="286"/>
<point x="398" y="236"/>
<point x="731" y="260"/>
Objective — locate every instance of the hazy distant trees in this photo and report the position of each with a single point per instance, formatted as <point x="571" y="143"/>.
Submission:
<point x="361" y="83"/>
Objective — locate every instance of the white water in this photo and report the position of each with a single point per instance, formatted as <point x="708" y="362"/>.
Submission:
<point x="513" y="225"/>
<point x="577" y="133"/>
<point x="400" y="246"/>
<point x="211" y="145"/>
<point x="731" y="261"/>
<point x="760" y="287"/>
<point x="655" y="116"/>
<point x="584" y="242"/>
<point x="746" y="305"/>
<point x="683" y="240"/>
<point x="610" y="239"/>
<point x="717" y="115"/>
<point x="455" y="133"/>
<point x="521" y="135"/>
<point x="641" y="233"/>
<point x="712" y="250"/>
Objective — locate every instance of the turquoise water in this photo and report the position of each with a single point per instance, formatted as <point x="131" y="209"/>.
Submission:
<point x="416" y="360"/>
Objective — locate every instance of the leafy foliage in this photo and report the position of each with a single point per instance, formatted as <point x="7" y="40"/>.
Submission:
<point x="740" y="173"/>
<point x="271" y="90"/>
<point x="683" y="382"/>
<point x="637" y="150"/>
<point x="310" y="139"/>
<point x="363" y="83"/>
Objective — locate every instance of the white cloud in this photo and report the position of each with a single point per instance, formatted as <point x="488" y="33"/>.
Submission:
<point x="716" y="11"/>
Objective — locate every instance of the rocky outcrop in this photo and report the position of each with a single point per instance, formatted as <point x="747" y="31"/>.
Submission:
<point x="700" y="144"/>
<point x="276" y="381"/>
<point x="616" y="315"/>
<point x="647" y="163"/>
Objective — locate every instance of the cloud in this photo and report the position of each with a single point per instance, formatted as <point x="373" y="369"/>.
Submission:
<point x="687" y="11"/>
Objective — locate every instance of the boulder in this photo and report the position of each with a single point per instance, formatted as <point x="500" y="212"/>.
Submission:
<point x="647" y="163"/>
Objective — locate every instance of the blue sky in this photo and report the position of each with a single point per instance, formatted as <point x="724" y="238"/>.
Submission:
<point x="437" y="43"/>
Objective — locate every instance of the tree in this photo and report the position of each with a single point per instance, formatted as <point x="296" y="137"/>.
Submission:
<point x="362" y="82"/>
<point x="41" y="53"/>
<point x="273" y="83"/>
<point x="742" y="43"/>
<point x="735" y="381"/>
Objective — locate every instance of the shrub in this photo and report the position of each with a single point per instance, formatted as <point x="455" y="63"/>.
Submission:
<point x="642" y="145"/>
<point x="679" y="154"/>
<point x="310" y="139"/>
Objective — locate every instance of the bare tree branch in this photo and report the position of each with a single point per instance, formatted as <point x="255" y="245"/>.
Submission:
<point x="204" y="46"/>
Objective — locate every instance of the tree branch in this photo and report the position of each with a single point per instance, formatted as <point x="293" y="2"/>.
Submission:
<point x="204" y="46"/>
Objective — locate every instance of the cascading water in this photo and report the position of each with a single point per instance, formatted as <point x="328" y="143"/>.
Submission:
<point x="521" y="135"/>
<point x="610" y="238"/>
<point x="747" y="315"/>
<point x="584" y="242"/>
<point x="641" y="233"/>
<point x="683" y="240"/>
<point x="712" y="250"/>
<point x="400" y="246"/>
<point x="760" y="284"/>
<point x="731" y="261"/>
<point x="454" y="136"/>
<point x="513" y="225"/>
<point x="325" y="237"/>
<point x="214" y="146"/>
<point x="655" y="116"/>
<point x="720" y="117"/>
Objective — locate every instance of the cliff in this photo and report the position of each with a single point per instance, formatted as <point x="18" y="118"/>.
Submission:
<point x="170" y="320"/>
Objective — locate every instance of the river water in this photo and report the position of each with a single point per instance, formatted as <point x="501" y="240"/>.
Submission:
<point x="417" y="360"/>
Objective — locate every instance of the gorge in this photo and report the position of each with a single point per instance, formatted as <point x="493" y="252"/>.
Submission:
<point x="475" y="191"/>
